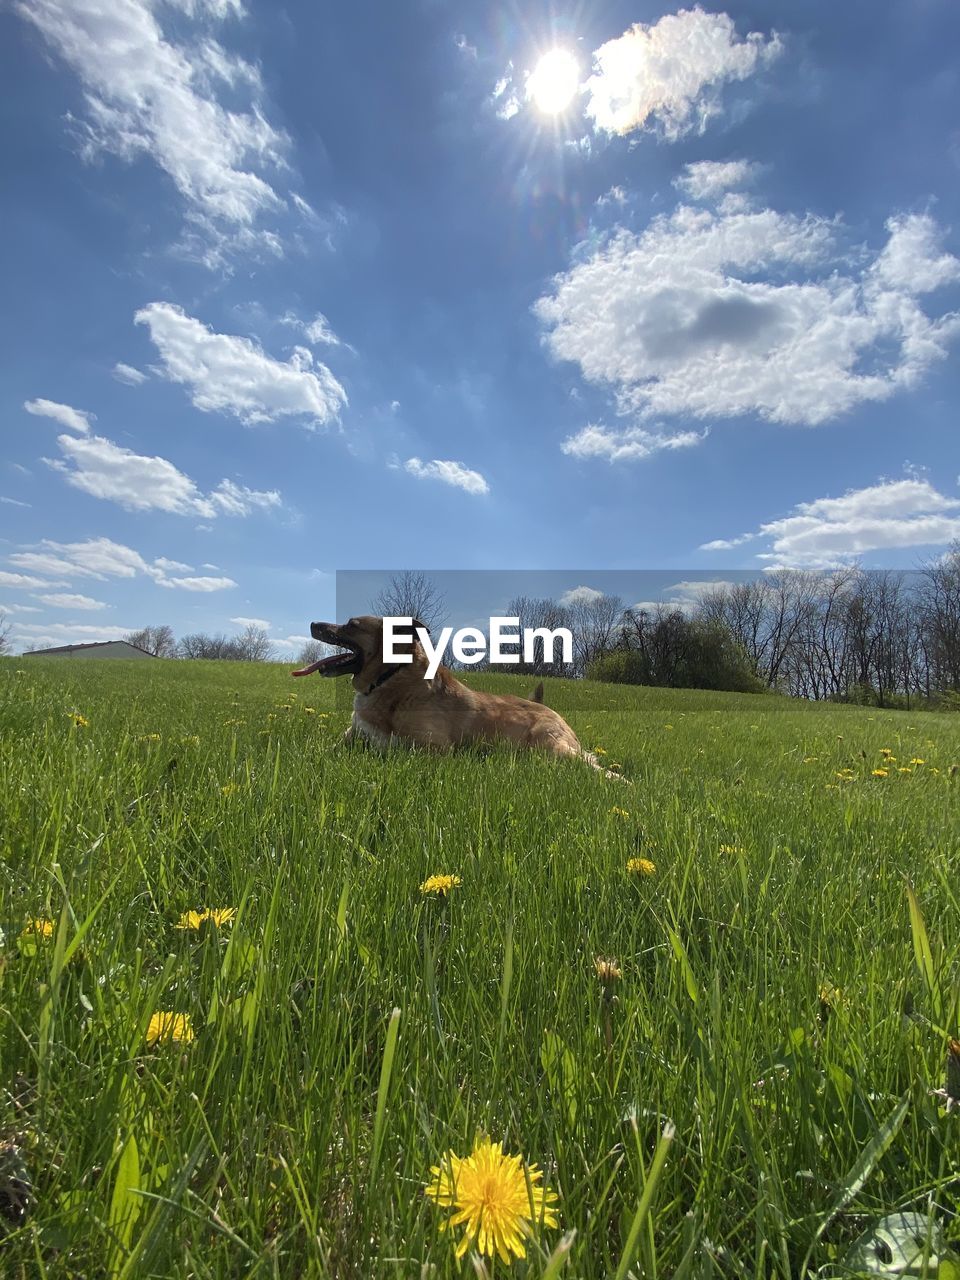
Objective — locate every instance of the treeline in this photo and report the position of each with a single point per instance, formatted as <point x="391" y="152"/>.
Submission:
<point x="872" y="636"/>
<point x="877" y="637"/>
<point x="250" y="645"/>
<point x="658" y="645"/>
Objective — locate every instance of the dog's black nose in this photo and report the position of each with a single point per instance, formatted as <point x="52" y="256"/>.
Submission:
<point x="315" y="629"/>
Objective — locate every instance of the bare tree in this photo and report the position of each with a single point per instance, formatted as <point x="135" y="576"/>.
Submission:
<point x="313" y="651"/>
<point x="594" y="622"/>
<point x="200" y="645"/>
<point x="940" y="612"/>
<point x="253" y="644"/>
<point x="4" y="634"/>
<point x="539" y="615"/>
<point x="411" y="594"/>
<point x="156" y="640"/>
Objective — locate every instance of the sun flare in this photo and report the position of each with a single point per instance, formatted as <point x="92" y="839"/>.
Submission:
<point x="554" y="81"/>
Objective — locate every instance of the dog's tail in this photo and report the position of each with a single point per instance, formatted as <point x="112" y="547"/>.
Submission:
<point x="538" y="693"/>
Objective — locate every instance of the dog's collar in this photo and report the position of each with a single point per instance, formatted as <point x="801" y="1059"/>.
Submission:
<point x="390" y="671"/>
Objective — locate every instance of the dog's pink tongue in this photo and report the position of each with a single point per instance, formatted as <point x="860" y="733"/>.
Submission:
<point x="309" y="669"/>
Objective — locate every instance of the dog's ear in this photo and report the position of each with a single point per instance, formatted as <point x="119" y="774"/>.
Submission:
<point x="411" y="631"/>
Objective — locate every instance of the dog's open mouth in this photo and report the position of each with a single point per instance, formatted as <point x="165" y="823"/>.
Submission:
<point x="338" y="664"/>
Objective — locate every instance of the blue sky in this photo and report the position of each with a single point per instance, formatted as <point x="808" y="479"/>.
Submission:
<point x="298" y="288"/>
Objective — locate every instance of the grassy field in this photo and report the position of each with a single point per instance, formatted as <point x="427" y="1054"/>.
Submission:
<point x="776" y="1008"/>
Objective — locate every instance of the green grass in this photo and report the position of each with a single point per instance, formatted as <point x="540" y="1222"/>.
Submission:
<point x="281" y="1141"/>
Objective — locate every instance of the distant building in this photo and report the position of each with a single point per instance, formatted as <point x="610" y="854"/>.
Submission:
<point x="99" y="649"/>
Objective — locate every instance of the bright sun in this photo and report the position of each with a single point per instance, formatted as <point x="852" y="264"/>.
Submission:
<point x="554" y="81"/>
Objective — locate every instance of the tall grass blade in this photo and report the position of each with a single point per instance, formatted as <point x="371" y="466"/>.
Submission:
<point x="646" y="1200"/>
<point x="386" y="1071"/>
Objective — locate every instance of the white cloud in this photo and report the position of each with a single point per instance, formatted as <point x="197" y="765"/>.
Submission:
<point x="137" y="482"/>
<point x="18" y="608"/>
<point x="128" y="374"/>
<point x="237" y="500"/>
<point x="291" y="643"/>
<point x="148" y="95"/>
<point x="198" y="584"/>
<point x="685" y="596"/>
<point x="252" y="622"/>
<point x="14" y="502"/>
<point x="25" y="582"/>
<point x="672" y="72"/>
<point x="317" y="331"/>
<point x="101" y="558"/>
<point x="453" y="473"/>
<point x="96" y="558"/>
<point x="707" y="179"/>
<point x="581" y="595"/>
<point x="226" y="373"/>
<point x="176" y="566"/>
<point x="62" y="600"/>
<point x="505" y="97"/>
<point x="72" y="419"/>
<point x="890" y="515"/>
<point x="675" y="320"/>
<point x="629" y="445"/>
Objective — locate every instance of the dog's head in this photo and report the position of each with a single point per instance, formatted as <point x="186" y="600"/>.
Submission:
<point x="362" y="640"/>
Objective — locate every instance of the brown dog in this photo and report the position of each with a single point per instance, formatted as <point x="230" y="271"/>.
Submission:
<point x="393" y="702"/>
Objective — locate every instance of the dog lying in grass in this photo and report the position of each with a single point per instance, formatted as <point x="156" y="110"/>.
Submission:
<point x="393" y="702"/>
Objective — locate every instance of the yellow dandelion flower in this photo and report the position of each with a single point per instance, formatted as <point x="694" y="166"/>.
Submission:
<point x="917" y="760"/>
<point x="229" y="788"/>
<point x="599" y="751"/>
<point x="497" y="1199"/>
<point x="845" y="775"/>
<point x="641" y="866"/>
<point x="37" y="929"/>
<point x="735" y="849"/>
<point x="216" y="915"/>
<point x="169" y="1026"/>
<point x="149" y="737"/>
<point x="904" y="768"/>
<point x="440" y="885"/>
<point x="80" y="721"/>
<point x="668" y="726"/>
<point x="810" y="759"/>
<point x="608" y="971"/>
<point x="934" y="771"/>
<point x="880" y="773"/>
<point x="309" y="711"/>
<point x="191" y="740"/>
<point x="620" y="813"/>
